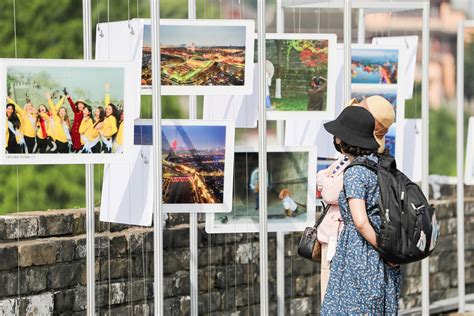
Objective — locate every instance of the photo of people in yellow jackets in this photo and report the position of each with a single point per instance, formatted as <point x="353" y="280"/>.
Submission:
<point x="39" y="122"/>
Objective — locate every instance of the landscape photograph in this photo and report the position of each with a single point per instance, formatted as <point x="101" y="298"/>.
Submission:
<point x="190" y="57"/>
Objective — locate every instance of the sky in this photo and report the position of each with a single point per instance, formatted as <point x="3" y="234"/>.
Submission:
<point x="387" y="54"/>
<point x="201" y="35"/>
<point x="201" y="137"/>
<point x="89" y="79"/>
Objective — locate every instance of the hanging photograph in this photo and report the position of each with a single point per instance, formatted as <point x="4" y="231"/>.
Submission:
<point x="389" y="92"/>
<point x="197" y="158"/>
<point x="290" y="192"/>
<point x="410" y="43"/>
<point x="301" y="75"/>
<point x="195" y="63"/>
<point x="66" y="111"/>
<point x="469" y="172"/>
<point x="373" y="64"/>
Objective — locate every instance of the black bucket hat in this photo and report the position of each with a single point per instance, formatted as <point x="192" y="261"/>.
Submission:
<point x="354" y="126"/>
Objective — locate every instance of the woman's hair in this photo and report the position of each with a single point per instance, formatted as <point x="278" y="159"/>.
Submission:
<point x="115" y="113"/>
<point x="14" y="118"/>
<point x="88" y="107"/>
<point x="66" y="117"/>
<point x="101" y="115"/>
<point x="356" y="151"/>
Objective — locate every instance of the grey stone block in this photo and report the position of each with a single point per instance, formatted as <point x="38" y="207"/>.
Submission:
<point x="17" y="226"/>
<point x="80" y="298"/>
<point x="9" y="257"/>
<point x="300" y="306"/>
<point x="209" y="302"/>
<point x="118" y="246"/>
<point x="55" y="225"/>
<point x="9" y="281"/>
<point x="65" y="250"/>
<point x="37" y="253"/>
<point x="64" y="275"/>
<point x="34" y="280"/>
<point x="63" y="301"/>
<point x="41" y="304"/>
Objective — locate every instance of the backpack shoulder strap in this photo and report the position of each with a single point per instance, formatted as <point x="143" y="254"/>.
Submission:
<point x="363" y="161"/>
<point x="387" y="162"/>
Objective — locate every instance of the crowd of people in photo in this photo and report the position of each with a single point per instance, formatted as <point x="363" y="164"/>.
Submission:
<point x="48" y="128"/>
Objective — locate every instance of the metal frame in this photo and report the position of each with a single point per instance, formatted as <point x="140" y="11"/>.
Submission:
<point x="90" y="216"/>
<point x="157" y="163"/>
<point x="193" y="217"/>
<point x="262" y="160"/>
<point x="367" y="6"/>
<point x="462" y="307"/>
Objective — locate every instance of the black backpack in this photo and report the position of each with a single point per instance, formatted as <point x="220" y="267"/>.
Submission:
<point x="409" y="230"/>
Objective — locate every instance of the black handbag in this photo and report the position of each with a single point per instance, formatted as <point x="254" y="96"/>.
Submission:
<point x="309" y="246"/>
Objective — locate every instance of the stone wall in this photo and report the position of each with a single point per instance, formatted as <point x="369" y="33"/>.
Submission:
<point x="43" y="270"/>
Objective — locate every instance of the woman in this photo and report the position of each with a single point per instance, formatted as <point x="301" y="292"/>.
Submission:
<point x="119" y="137"/>
<point x="14" y="138"/>
<point x="90" y="138"/>
<point x="77" y="107"/>
<point x="330" y="183"/>
<point x="110" y="126"/>
<point x="99" y="117"/>
<point x="27" y="118"/>
<point x="60" y="125"/>
<point x="43" y="135"/>
<point x="361" y="281"/>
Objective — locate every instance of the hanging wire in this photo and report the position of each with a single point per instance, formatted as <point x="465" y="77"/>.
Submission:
<point x="299" y="21"/>
<point x="17" y="167"/>
<point x="294" y="21"/>
<point x="14" y="28"/>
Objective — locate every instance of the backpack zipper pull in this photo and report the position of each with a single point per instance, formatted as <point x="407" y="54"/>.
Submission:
<point x="402" y="197"/>
<point x="387" y="215"/>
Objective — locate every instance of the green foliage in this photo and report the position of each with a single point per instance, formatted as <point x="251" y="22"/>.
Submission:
<point x="469" y="69"/>
<point x="442" y="138"/>
<point x="30" y="188"/>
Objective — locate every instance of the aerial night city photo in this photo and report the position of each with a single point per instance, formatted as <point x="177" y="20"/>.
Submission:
<point x="193" y="164"/>
<point x="190" y="57"/>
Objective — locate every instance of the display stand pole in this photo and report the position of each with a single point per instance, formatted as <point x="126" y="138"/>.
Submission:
<point x="280" y="257"/>
<point x="460" y="166"/>
<point x="347" y="49"/>
<point x="193" y="217"/>
<point x="262" y="161"/>
<point x="280" y="242"/>
<point x="90" y="216"/>
<point x="280" y="236"/>
<point x="157" y="163"/>
<point x="425" y="112"/>
<point x="361" y="27"/>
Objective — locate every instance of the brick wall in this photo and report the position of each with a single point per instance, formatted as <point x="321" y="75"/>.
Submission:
<point x="43" y="271"/>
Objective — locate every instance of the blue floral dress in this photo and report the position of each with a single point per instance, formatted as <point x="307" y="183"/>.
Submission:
<point x="360" y="281"/>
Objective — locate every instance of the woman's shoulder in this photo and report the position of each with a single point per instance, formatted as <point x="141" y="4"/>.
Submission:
<point x="358" y="170"/>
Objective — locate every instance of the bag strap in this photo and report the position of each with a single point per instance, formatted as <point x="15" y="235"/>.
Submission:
<point x="326" y="208"/>
<point x="365" y="162"/>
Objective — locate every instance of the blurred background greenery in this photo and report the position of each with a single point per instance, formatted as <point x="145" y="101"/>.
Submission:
<point x="53" y="29"/>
